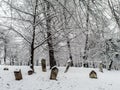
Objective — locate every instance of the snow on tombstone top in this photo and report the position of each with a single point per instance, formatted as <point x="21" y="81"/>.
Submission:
<point x="69" y="61"/>
<point x="17" y="70"/>
<point x="54" y="67"/>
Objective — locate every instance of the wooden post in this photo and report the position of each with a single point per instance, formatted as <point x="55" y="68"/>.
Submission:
<point x="54" y="72"/>
<point x="43" y="64"/>
<point x="18" y="75"/>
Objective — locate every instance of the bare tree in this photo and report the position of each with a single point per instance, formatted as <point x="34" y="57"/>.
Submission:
<point x="113" y="7"/>
<point x="34" y="22"/>
<point x="5" y="38"/>
<point x="65" y="24"/>
<point x="47" y="8"/>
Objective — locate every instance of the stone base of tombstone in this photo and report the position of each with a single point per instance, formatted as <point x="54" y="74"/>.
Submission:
<point x="30" y="72"/>
<point x="6" y="69"/>
<point x="54" y="72"/>
<point x="43" y="64"/>
<point x="93" y="74"/>
<point x="18" y="75"/>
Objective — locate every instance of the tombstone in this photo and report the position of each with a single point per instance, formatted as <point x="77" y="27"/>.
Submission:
<point x="6" y="69"/>
<point x="110" y="65"/>
<point x="18" y="75"/>
<point x="68" y="65"/>
<point x="43" y="64"/>
<point x="54" y="72"/>
<point x="101" y="67"/>
<point x="93" y="74"/>
<point x="30" y="72"/>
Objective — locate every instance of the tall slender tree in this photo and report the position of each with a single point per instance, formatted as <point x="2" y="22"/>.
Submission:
<point x="47" y="8"/>
<point x="65" y="24"/>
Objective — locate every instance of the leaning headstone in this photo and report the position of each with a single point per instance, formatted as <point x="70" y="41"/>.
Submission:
<point x="110" y="65"/>
<point x="101" y="67"/>
<point x="54" y="73"/>
<point x="93" y="74"/>
<point x="68" y="65"/>
<point x="18" y="74"/>
<point x="6" y="69"/>
<point x="43" y="64"/>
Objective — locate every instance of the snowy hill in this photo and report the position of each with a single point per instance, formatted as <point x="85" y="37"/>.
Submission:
<point x="74" y="79"/>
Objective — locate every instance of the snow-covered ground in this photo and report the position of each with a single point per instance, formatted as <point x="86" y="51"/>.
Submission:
<point x="74" y="79"/>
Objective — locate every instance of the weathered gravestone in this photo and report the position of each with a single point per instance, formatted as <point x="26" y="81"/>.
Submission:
<point x="18" y="74"/>
<point x="101" y="67"/>
<point x="54" y="73"/>
<point x="68" y="65"/>
<point x="110" y="65"/>
<point x="30" y="72"/>
<point x="93" y="74"/>
<point x="43" y="64"/>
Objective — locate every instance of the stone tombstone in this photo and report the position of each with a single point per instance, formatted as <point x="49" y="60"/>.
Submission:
<point x="18" y="74"/>
<point x="54" y="72"/>
<point x="43" y="64"/>
<point x="93" y="74"/>
<point x="68" y="65"/>
<point x="30" y="72"/>
<point x="110" y="65"/>
<point x="101" y="67"/>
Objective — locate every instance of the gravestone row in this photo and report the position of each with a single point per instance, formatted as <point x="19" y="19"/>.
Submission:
<point x="53" y="74"/>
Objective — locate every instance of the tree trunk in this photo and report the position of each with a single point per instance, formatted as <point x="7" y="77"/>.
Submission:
<point x="65" y="28"/>
<point x="49" y="36"/>
<point x="113" y="11"/>
<point x="5" y="52"/>
<point x="87" y="31"/>
<point x="33" y="39"/>
<point x="70" y="54"/>
<point x="32" y="57"/>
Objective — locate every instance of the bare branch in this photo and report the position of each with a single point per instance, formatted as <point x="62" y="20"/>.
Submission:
<point x="17" y="9"/>
<point x="19" y="19"/>
<point x="10" y="28"/>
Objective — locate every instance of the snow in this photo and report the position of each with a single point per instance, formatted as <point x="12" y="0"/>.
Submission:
<point x="69" y="61"/>
<point x="74" y="79"/>
<point x="54" y="67"/>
